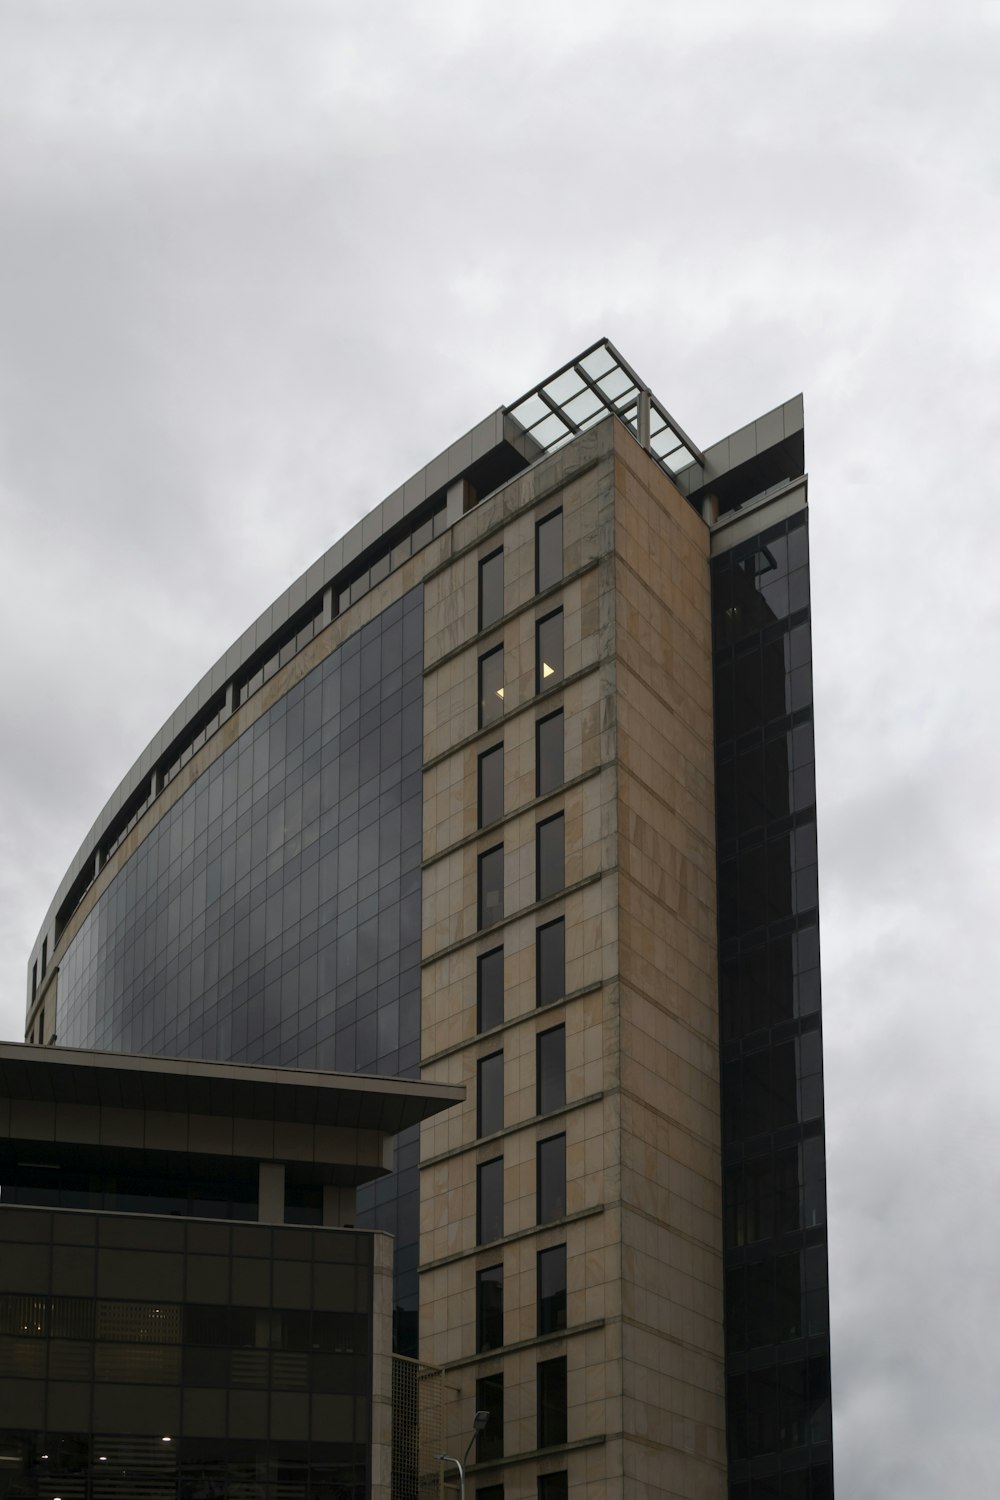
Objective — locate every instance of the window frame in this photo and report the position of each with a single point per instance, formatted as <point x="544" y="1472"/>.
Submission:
<point x="482" y="1345"/>
<point x="545" y="927"/>
<point x="558" y="1327"/>
<point x="543" y="521"/>
<point x="484" y="562"/>
<point x="486" y="719"/>
<point x="550" y="1033"/>
<point x="540" y="724"/>
<point x="481" y="922"/>
<point x="543" y="890"/>
<point x="480" y="961"/>
<point x="481" y="761"/>
<point x="542" y="683"/>
<point x="481" y="1169"/>
<point x="544" y="1217"/>
<point x="496" y="1059"/>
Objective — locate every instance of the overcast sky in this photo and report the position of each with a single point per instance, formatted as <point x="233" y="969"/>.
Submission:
<point x="261" y="261"/>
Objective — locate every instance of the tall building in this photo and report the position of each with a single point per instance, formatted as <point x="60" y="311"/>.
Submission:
<point x="514" y="789"/>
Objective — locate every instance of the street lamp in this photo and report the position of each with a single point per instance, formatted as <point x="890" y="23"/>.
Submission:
<point x="479" y="1422"/>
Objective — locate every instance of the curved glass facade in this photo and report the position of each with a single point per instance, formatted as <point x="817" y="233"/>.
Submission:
<point x="273" y="914"/>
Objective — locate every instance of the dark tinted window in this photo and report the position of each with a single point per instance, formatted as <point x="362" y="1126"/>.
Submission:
<point x="549" y="651"/>
<point x="489" y="1201"/>
<point x="489" y="1096"/>
<point x="491" y="589"/>
<point x="489" y="989"/>
<point x="490" y="1492"/>
<point x="550" y="1069"/>
<point x="550" y="962"/>
<point x="489" y="1397"/>
<point x="551" y="1178"/>
<point x="490" y="687"/>
<point x="548" y="550"/>
<point x="549" y="754"/>
<point x="553" y="1486"/>
<point x="550" y="864"/>
<point x="551" y="1402"/>
<point x="552" y="1289"/>
<point x="489" y="1308"/>
<point x="491" y="886"/>
<point x="491" y="785"/>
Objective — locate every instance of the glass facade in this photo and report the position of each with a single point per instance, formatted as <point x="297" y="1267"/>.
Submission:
<point x="777" y="1306"/>
<point x="273" y="915"/>
<point x="168" y="1360"/>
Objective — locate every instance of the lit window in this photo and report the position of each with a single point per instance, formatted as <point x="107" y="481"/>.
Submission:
<point x="549" y="651"/>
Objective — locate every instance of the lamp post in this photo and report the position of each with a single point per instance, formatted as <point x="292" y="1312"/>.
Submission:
<point x="479" y="1422"/>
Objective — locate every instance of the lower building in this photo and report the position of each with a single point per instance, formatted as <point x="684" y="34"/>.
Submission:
<point x="514" y="790"/>
<point x="186" y="1309"/>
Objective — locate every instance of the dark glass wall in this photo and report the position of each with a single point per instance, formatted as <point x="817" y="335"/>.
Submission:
<point x="273" y="915"/>
<point x="179" y="1361"/>
<point x="777" y="1306"/>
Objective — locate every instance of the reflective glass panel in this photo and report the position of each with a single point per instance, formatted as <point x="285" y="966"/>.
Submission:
<point x="491" y="589"/>
<point x="489" y="989"/>
<point x="549" y="651"/>
<point x="551" y="1179"/>
<point x="552" y="1289"/>
<point x="548" y="551"/>
<point x="550" y="864"/>
<point x="549" y="753"/>
<point x="489" y="1095"/>
<point x="489" y="1201"/>
<point x="489" y="1308"/>
<point x="491" y="785"/>
<point x="490" y="687"/>
<point x="491" y="886"/>
<point x="489" y="1398"/>
<point x="551" y="1402"/>
<point x="550" y="1069"/>
<point x="550" y="961"/>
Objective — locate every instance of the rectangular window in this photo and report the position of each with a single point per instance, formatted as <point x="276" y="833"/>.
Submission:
<point x="491" y="886"/>
<point x="34" y="979"/>
<point x="41" y="1027"/>
<point x="489" y="1309"/>
<point x="489" y="1094"/>
<point x="490" y="1492"/>
<point x="489" y="1398"/>
<point x="489" y="989"/>
<point x="550" y="1069"/>
<point x="489" y="1201"/>
<point x="549" y="772"/>
<point x="45" y="955"/>
<point x="548" y="651"/>
<point x="551" y="1179"/>
<point x="553" y="1486"/>
<point x="490" y="687"/>
<point x="551" y="1402"/>
<point x="548" y="551"/>
<point x="552" y="1289"/>
<point x="550" y="857"/>
<point x="550" y="962"/>
<point x="490" y="785"/>
<point x="491" y="589"/>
